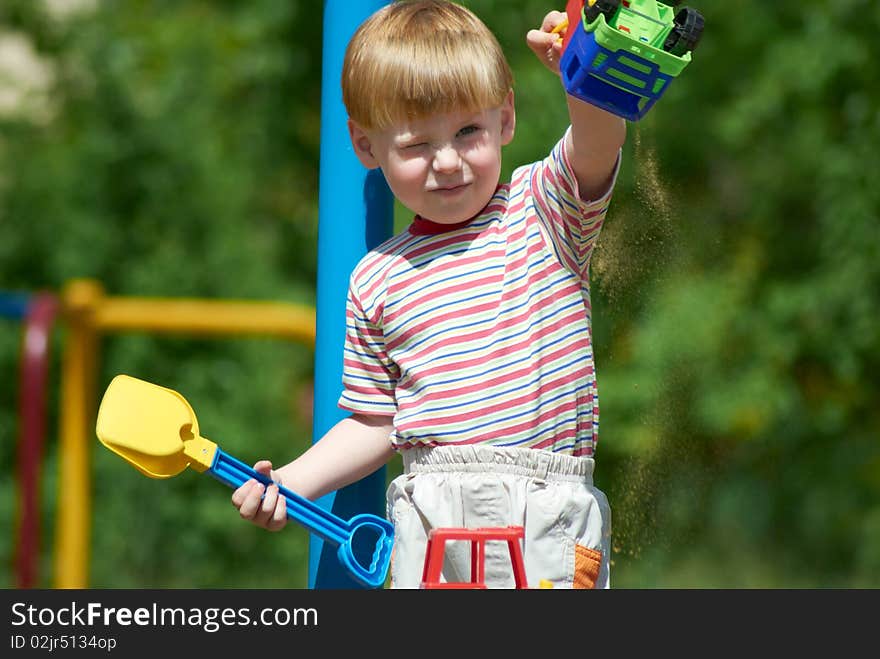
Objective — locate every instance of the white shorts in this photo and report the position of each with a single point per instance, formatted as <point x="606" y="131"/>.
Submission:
<point x="567" y="521"/>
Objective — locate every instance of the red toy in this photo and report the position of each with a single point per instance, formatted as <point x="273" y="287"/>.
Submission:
<point x="437" y="538"/>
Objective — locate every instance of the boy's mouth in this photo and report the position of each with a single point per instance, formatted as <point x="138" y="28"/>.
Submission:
<point x="449" y="189"/>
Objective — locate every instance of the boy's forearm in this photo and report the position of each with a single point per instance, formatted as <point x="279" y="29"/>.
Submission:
<point x="352" y="449"/>
<point x="595" y="141"/>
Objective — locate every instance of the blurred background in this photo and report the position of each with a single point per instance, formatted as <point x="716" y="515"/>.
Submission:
<point x="170" y="149"/>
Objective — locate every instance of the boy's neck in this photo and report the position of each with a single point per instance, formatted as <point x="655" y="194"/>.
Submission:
<point x="422" y="226"/>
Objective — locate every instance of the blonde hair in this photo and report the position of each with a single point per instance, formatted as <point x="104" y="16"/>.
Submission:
<point x="414" y="58"/>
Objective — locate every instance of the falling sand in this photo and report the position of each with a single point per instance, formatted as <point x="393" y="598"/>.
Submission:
<point x="640" y="230"/>
<point x="637" y="245"/>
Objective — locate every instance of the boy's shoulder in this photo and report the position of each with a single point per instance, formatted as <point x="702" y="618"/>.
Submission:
<point x="553" y="154"/>
<point x="383" y="256"/>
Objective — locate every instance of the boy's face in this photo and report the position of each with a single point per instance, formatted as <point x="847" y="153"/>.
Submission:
<point x="444" y="167"/>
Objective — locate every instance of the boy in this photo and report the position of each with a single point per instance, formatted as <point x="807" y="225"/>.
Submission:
<point x="468" y="341"/>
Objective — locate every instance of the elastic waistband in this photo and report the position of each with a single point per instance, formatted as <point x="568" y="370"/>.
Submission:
<point x="536" y="463"/>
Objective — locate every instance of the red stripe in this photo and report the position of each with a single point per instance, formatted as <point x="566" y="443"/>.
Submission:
<point x="369" y="391"/>
<point x="359" y="367"/>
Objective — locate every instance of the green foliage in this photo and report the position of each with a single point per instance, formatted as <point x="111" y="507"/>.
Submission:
<point x="735" y="284"/>
<point x="758" y="340"/>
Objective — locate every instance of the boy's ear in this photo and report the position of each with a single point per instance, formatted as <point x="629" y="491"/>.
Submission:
<point x="363" y="147"/>
<point x="508" y="119"/>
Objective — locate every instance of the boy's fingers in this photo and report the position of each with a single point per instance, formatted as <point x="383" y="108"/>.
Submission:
<point x="252" y="500"/>
<point x="547" y="48"/>
<point x="267" y="506"/>
<point x="263" y="467"/>
<point x="540" y="38"/>
<point x="552" y="19"/>
<point x="540" y="42"/>
<point x="279" y="515"/>
<point x="241" y="493"/>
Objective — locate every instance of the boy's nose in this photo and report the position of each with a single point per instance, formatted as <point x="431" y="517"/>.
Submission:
<point x="446" y="159"/>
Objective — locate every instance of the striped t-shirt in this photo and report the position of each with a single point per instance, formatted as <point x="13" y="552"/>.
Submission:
<point x="480" y="332"/>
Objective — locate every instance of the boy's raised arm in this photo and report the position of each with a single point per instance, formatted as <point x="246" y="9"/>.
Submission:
<point x="596" y="135"/>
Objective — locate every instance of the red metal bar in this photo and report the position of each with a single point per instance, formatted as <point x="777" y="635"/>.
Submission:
<point x="36" y="351"/>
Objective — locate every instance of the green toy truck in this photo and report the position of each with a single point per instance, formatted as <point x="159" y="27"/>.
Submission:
<point x="621" y="55"/>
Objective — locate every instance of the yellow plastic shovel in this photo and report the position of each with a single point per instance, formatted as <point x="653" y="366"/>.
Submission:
<point x="155" y="430"/>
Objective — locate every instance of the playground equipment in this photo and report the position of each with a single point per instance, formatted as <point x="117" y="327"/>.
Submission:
<point x="155" y="429"/>
<point x="88" y="315"/>
<point x="38" y="314"/>
<point x="622" y="55"/>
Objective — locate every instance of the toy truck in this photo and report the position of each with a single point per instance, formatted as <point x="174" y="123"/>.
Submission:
<point x="622" y="55"/>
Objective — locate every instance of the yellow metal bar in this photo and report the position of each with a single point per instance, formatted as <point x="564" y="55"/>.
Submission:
<point x="73" y="515"/>
<point x="198" y="316"/>
<point x="89" y="315"/>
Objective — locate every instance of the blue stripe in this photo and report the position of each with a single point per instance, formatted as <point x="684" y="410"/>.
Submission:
<point x="358" y="402"/>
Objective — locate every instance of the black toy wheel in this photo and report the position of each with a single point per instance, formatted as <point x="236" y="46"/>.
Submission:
<point x="686" y="32"/>
<point x="605" y="7"/>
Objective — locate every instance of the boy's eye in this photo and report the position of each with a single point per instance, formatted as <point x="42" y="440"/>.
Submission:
<point x="468" y="130"/>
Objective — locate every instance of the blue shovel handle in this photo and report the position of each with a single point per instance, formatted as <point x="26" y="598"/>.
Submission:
<point x="321" y="522"/>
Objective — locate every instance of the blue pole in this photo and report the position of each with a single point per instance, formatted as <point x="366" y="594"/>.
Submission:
<point x="355" y="213"/>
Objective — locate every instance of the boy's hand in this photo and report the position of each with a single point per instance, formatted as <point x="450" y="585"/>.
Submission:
<point x="547" y="44"/>
<point x="269" y="511"/>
